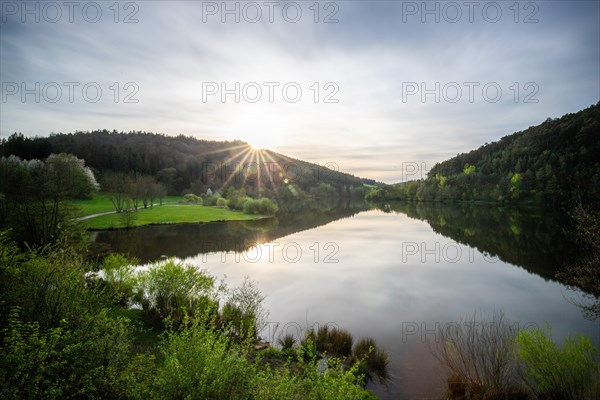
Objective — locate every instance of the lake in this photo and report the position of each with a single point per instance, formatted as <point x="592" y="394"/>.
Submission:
<point x="396" y="275"/>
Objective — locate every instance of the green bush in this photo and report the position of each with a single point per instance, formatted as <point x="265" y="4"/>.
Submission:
<point x="373" y="361"/>
<point x="66" y="361"/>
<point x="333" y="341"/>
<point x="287" y="342"/>
<point x="243" y="314"/>
<point x="169" y="289"/>
<point x="118" y="273"/>
<point x="192" y="198"/>
<point x="221" y="202"/>
<point x="47" y="284"/>
<point x="260" y="206"/>
<point x="335" y="383"/>
<point x="236" y="198"/>
<point x="567" y="372"/>
<point x="209" y="200"/>
<point x="202" y="364"/>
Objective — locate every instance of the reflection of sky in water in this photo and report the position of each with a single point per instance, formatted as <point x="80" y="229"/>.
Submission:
<point x="379" y="287"/>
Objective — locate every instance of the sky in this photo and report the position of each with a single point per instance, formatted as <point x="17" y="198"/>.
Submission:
<point x="382" y="89"/>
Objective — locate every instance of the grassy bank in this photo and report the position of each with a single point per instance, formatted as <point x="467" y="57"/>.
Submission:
<point x="173" y="211"/>
<point x="100" y="203"/>
<point x="169" y="214"/>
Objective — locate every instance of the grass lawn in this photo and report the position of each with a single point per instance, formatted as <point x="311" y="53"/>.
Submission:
<point x="170" y="214"/>
<point x="100" y="203"/>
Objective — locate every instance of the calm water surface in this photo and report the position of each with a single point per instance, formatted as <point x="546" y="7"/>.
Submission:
<point x="395" y="276"/>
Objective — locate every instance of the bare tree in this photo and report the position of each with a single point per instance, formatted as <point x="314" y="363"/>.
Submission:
<point x="117" y="185"/>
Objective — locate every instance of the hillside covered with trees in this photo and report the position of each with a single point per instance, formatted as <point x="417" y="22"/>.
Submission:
<point x="188" y="165"/>
<point x="550" y="163"/>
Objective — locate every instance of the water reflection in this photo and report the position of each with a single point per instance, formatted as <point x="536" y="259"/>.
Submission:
<point x="152" y="242"/>
<point x="532" y="238"/>
<point x="377" y="285"/>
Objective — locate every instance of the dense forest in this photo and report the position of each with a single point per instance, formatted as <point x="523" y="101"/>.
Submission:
<point x="548" y="163"/>
<point x="187" y="165"/>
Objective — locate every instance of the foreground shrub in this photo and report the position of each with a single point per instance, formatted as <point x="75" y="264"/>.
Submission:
<point x="332" y="341"/>
<point x="243" y="315"/>
<point x="47" y="284"/>
<point x="478" y="354"/>
<point x="200" y="363"/>
<point x="172" y="290"/>
<point x="118" y="273"/>
<point x="567" y="372"/>
<point x="335" y="383"/>
<point x="373" y="361"/>
<point x="287" y="341"/>
<point x="65" y="361"/>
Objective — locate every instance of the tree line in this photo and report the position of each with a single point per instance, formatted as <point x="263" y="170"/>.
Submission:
<point x="547" y="163"/>
<point x="188" y="165"/>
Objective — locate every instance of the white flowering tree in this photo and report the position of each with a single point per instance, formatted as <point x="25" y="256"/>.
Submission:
<point x="33" y="194"/>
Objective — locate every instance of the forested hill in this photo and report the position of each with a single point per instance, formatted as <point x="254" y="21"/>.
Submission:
<point x="551" y="162"/>
<point x="187" y="164"/>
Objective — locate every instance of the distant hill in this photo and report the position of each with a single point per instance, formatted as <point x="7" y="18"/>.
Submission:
<point x="550" y="162"/>
<point x="186" y="163"/>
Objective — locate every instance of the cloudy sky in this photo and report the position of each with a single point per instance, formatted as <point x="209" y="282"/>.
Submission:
<point x="372" y="86"/>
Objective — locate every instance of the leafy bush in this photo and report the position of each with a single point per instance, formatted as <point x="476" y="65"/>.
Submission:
<point x="221" y="202"/>
<point x="172" y="290"/>
<point x="260" y="206"/>
<point x="334" y="383"/>
<point x="201" y="364"/>
<point x="192" y="198"/>
<point x="64" y="361"/>
<point x="333" y="341"/>
<point x="243" y="313"/>
<point x="267" y="206"/>
<point x="236" y="198"/>
<point x="567" y="372"/>
<point x="47" y="284"/>
<point x="209" y="200"/>
<point x="287" y="341"/>
<point x="373" y="361"/>
<point x="118" y="273"/>
<point x="307" y="351"/>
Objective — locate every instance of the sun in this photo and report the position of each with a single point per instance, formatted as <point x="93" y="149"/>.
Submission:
<point x="260" y="129"/>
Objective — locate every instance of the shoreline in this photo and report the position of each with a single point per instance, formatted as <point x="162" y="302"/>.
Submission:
<point x="177" y="223"/>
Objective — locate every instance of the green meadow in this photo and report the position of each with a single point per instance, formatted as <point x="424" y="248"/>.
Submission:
<point x="171" y="212"/>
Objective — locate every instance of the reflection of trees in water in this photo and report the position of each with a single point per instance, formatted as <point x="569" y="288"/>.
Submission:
<point x="531" y="238"/>
<point x="188" y="240"/>
<point x="583" y="273"/>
